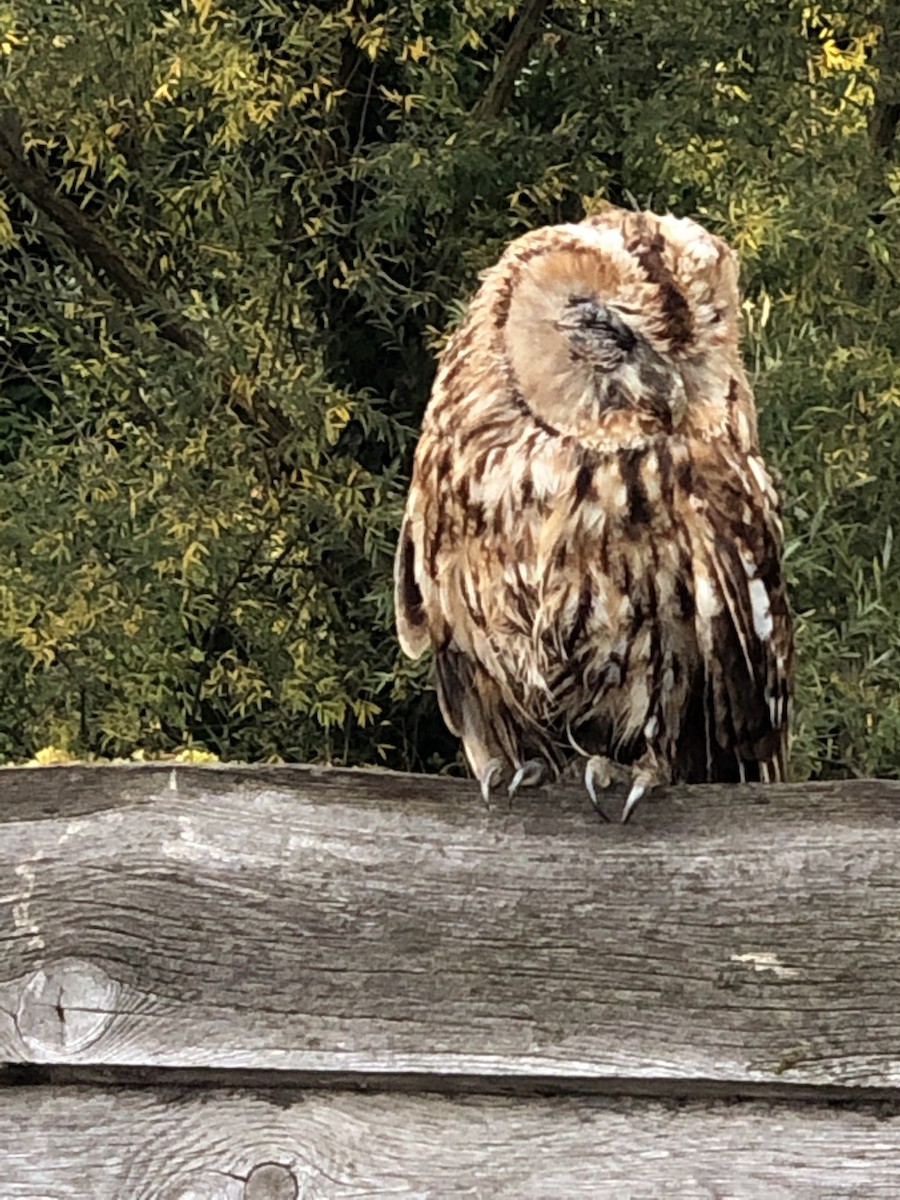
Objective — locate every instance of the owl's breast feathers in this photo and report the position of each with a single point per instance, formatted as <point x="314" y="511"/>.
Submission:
<point x="596" y="571"/>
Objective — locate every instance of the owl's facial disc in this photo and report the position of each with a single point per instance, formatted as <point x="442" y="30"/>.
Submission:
<point x="596" y="333"/>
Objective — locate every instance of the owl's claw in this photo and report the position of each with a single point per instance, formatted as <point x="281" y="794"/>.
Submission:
<point x="600" y="772"/>
<point x="531" y="774"/>
<point x="488" y="777"/>
<point x="637" y="790"/>
<point x="649" y="772"/>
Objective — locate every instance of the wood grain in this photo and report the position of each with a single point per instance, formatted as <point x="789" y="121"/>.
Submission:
<point x="311" y="920"/>
<point x="131" y="1145"/>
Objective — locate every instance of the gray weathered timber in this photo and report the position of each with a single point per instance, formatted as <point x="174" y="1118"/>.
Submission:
<point x="165" y="1144"/>
<point x="314" y="920"/>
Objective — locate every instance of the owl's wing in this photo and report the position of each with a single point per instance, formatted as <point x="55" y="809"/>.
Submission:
<point x="409" y="605"/>
<point x="469" y="698"/>
<point x="743" y="629"/>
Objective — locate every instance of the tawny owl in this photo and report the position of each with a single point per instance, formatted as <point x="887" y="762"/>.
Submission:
<point x="591" y="544"/>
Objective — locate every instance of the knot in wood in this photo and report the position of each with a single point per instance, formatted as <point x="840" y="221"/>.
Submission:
<point x="271" y="1181"/>
<point x="65" y="1006"/>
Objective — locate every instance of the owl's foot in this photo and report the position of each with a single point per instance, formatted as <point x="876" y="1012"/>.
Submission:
<point x="493" y="769"/>
<point x="648" y="772"/>
<point x="601" y="772"/>
<point x="532" y="773"/>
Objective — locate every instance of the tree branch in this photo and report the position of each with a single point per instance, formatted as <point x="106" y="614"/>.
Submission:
<point x="123" y="276"/>
<point x="500" y="89"/>
<point x="885" y="115"/>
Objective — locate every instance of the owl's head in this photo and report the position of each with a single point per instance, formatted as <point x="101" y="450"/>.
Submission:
<point x="617" y="323"/>
<point x="691" y="307"/>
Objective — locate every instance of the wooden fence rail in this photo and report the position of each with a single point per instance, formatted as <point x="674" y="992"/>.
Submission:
<point x="287" y="982"/>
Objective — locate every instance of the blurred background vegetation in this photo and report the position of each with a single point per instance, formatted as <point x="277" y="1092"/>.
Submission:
<point x="233" y="234"/>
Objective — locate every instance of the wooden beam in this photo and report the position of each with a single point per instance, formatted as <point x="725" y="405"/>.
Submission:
<point x="293" y="919"/>
<point x="281" y="1145"/>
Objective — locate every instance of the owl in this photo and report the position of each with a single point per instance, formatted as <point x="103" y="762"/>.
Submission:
<point x="591" y="543"/>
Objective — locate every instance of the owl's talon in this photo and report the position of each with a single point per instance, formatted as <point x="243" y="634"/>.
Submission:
<point x="489" y="776"/>
<point x="637" y="790"/>
<point x="596" y="775"/>
<point x="601" y="772"/>
<point x="531" y="774"/>
<point x="649" y="772"/>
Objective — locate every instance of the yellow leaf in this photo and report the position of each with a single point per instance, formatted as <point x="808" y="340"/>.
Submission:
<point x="851" y="58"/>
<point x="193" y="754"/>
<point x="50" y="755"/>
<point x="7" y="234"/>
<point x="194" y="552"/>
<point x="372" y="41"/>
<point x="765" y="310"/>
<point x="416" y="50"/>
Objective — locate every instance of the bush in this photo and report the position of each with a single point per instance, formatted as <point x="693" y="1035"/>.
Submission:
<point x="232" y="237"/>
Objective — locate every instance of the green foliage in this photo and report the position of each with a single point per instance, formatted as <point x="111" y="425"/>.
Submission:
<point x="204" y="457"/>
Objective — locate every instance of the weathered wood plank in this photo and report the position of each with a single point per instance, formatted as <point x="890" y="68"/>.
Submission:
<point x="60" y="1144"/>
<point x="324" y="921"/>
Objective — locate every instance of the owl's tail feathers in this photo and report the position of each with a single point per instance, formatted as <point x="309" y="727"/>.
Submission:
<point x="474" y="710"/>
<point x="713" y="746"/>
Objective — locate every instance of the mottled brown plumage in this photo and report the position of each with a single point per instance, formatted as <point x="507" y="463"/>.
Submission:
<point x="591" y="543"/>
